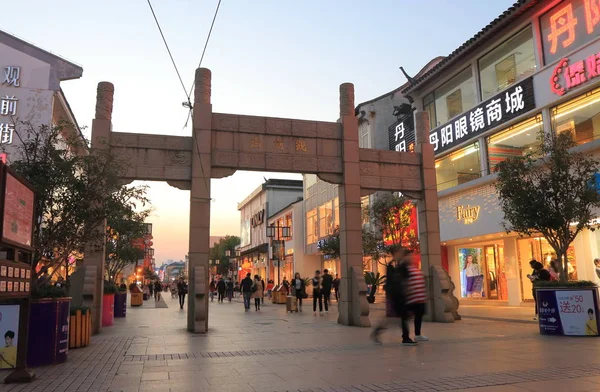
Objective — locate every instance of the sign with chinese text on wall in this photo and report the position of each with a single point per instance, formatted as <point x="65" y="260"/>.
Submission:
<point x="402" y="135"/>
<point x="8" y="104"/>
<point x="514" y="101"/>
<point x="17" y="227"/>
<point x="567" y="26"/>
<point x="568" y="312"/>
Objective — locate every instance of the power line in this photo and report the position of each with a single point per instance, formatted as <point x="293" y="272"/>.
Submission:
<point x="169" y="51"/>
<point x="206" y="43"/>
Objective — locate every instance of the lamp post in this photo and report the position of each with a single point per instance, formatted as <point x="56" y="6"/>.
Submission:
<point x="277" y="234"/>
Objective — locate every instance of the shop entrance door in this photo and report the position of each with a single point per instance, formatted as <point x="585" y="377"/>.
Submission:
<point x="491" y="271"/>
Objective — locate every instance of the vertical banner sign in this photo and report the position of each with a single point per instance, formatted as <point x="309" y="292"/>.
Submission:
<point x="9" y="331"/>
<point x="566" y="312"/>
<point x="402" y="135"/>
<point x="503" y="107"/>
<point x="62" y="339"/>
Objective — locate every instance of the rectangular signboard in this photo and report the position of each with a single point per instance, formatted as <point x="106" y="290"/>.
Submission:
<point x="402" y="134"/>
<point x="9" y="330"/>
<point x="568" y="312"/>
<point x="17" y="226"/>
<point x="501" y="108"/>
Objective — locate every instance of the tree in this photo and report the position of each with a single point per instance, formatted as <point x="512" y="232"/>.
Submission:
<point x="391" y="215"/>
<point x="77" y="190"/>
<point x="217" y="252"/>
<point x="122" y="236"/>
<point x="552" y="195"/>
<point x="149" y="274"/>
<point x="372" y="244"/>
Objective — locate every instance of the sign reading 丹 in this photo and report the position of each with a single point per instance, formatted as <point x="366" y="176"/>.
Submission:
<point x="503" y="107"/>
<point x="402" y="135"/>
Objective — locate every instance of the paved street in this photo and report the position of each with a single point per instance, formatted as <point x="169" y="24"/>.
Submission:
<point x="274" y="351"/>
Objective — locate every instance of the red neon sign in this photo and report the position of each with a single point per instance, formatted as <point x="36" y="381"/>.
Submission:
<point x="3" y="157"/>
<point x="568" y="76"/>
<point x="568" y="25"/>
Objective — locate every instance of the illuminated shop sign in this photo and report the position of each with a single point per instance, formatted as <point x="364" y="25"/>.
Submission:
<point x="402" y="135"/>
<point x="567" y="26"/>
<point x="8" y="104"/>
<point x="467" y="214"/>
<point x="568" y="75"/>
<point x="497" y="110"/>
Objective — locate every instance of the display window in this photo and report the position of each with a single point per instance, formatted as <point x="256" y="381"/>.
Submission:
<point x="519" y="140"/>
<point x="482" y="274"/>
<point x="459" y="167"/>
<point x="581" y="116"/>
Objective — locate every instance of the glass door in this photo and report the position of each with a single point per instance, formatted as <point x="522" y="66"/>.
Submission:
<point x="491" y="271"/>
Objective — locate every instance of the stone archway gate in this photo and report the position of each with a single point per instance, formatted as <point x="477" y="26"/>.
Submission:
<point x="224" y="143"/>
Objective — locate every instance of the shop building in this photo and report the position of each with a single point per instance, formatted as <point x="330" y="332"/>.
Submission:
<point x="30" y="92"/>
<point x="321" y="202"/>
<point x="533" y="69"/>
<point x="270" y="197"/>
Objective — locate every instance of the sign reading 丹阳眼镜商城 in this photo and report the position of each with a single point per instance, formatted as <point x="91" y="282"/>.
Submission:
<point x="509" y="104"/>
<point x="402" y="135"/>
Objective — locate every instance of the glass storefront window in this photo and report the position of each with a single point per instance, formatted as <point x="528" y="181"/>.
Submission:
<point x="459" y="167"/>
<point x="505" y="65"/>
<point x="518" y="140"/>
<point x="364" y="206"/>
<point x="471" y="272"/>
<point x="336" y="213"/>
<point x="454" y="97"/>
<point x="289" y="223"/>
<point x="580" y="115"/>
<point x="325" y="220"/>
<point x="312" y="227"/>
<point x="429" y="107"/>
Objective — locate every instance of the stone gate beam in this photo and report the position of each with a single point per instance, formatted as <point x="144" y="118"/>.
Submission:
<point x="94" y="257"/>
<point x="353" y="306"/>
<point x="200" y="204"/>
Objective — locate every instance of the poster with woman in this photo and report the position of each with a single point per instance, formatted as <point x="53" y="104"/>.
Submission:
<point x="9" y="329"/>
<point x="471" y="275"/>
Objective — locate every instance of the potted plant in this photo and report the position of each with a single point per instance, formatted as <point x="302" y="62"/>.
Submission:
<point x="373" y="281"/>
<point x="47" y="342"/>
<point x="108" y="304"/>
<point x="80" y="327"/>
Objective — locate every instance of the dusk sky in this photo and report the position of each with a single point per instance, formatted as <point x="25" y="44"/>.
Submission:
<point x="278" y="58"/>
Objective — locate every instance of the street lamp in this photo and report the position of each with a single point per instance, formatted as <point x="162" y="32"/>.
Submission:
<point x="277" y="234"/>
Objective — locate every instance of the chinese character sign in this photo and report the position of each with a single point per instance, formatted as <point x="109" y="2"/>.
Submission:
<point x="566" y="312"/>
<point x="567" y="26"/>
<point x="503" y="107"/>
<point x="402" y="135"/>
<point x="570" y="74"/>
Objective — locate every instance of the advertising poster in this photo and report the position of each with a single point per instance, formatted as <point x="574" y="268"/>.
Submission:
<point x="471" y="272"/>
<point x="570" y="313"/>
<point x="9" y="329"/>
<point x="63" y="331"/>
<point x="18" y="212"/>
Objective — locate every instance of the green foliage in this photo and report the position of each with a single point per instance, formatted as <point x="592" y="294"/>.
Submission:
<point x="217" y="252"/>
<point x="374" y="279"/>
<point x="110" y="288"/>
<point x="330" y="246"/>
<point x="76" y="189"/>
<point x="74" y="309"/>
<point x="149" y="274"/>
<point x="571" y="284"/>
<point x="48" y="291"/>
<point x="390" y="214"/>
<point x="550" y="195"/>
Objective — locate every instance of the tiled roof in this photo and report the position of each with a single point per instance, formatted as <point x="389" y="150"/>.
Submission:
<point x="512" y="13"/>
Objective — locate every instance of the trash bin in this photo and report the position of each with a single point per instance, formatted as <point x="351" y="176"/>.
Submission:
<point x="120" y="304"/>
<point x="108" y="310"/>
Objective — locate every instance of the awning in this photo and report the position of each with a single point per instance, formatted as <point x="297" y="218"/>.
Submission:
<point x="263" y="248"/>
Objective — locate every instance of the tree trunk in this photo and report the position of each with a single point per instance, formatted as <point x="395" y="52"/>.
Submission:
<point x="562" y="265"/>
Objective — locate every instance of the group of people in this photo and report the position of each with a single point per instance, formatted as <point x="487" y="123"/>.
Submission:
<point x="406" y="295"/>
<point x="153" y="289"/>
<point x="253" y="289"/>
<point x="321" y="290"/>
<point x="223" y="287"/>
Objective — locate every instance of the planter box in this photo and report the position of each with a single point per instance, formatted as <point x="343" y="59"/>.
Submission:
<point x="108" y="310"/>
<point x="137" y="299"/>
<point x="80" y="329"/>
<point x="121" y="304"/>
<point x="568" y="311"/>
<point x="48" y="340"/>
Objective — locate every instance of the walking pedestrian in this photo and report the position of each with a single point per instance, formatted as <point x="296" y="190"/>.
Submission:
<point x="298" y="289"/>
<point x="229" y="289"/>
<point x="262" y="288"/>
<point x="246" y="288"/>
<point x="317" y="285"/>
<point x="151" y="288"/>
<point x="416" y="296"/>
<point x="221" y="289"/>
<point x="336" y="287"/>
<point x="539" y="273"/>
<point x="327" y="285"/>
<point x="182" y="289"/>
<point x="157" y="290"/>
<point x="257" y="292"/>
<point x="212" y="289"/>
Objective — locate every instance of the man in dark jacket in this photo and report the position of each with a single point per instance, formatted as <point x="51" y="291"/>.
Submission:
<point x="246" y="288"/>
<point x="327" y="285"/>
<point x="182" y="290"/>
<point x="221" y="289"/>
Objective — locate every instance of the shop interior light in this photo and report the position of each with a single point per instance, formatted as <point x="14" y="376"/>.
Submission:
<point x="529" y="128"/>
<point x="467" y="151"/>
<point x="587" y="101"/>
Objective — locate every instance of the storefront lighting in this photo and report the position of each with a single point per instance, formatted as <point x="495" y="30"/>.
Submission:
<point x="518" y="133"/>
<point x="467" y="151"/>
<point x="578" y="107"/>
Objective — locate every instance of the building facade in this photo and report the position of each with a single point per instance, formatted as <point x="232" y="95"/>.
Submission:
<point x="30" y="93"/>
<point x="533" y="69"/>
<point x="269" y="198"/>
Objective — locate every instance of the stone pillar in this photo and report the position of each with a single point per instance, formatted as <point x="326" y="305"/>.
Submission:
<point x="94" y="257"/>
<point x="200" y="204"/>
<point x="353" y="306"/>
<point x="511" y="271"/>
<point x="429" y="221"/>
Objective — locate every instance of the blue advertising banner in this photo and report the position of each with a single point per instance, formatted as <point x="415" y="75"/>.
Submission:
<point x="568" y="312"/>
